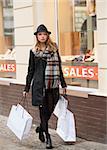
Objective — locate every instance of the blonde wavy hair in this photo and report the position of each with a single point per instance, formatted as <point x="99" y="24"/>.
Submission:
<point x="50" y="45"/>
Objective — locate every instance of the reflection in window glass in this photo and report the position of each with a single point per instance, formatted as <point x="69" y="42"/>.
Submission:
<point x="77" y="41"/>
<point x="7" y="51"/>
<point x="80" y="2"/>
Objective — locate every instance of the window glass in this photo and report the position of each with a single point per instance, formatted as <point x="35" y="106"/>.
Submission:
<point x="7" y="50"/>
<point x="77" y="42"/>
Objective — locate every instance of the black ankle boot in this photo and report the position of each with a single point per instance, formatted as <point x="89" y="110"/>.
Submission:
<point x="48" y="142"/>
<point x="41" y="135"/>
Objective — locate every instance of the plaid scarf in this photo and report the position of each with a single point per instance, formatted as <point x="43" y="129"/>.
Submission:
<point x="52" y="68"/>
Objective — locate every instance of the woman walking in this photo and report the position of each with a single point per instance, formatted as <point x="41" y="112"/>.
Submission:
<point x="45" y="72"/>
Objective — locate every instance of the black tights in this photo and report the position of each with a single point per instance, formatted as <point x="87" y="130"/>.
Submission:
<point x="46" y="110"/>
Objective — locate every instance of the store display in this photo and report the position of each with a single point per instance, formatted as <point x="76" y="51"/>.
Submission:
<point x="9" y="55"/>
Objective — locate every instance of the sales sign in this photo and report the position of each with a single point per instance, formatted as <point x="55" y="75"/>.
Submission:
<point x="4" y="67"/>
<point x="86" y="72"/>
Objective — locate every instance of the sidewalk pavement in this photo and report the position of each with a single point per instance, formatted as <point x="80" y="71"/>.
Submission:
<point x="8" y="141"/>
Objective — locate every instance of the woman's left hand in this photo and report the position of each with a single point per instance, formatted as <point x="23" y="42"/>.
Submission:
<point x="64" y="91"/>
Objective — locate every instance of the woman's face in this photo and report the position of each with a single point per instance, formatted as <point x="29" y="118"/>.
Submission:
<point x="42" y="37"/>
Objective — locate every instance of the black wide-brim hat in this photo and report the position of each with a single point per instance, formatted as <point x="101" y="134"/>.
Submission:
<point x="42" y="28"/>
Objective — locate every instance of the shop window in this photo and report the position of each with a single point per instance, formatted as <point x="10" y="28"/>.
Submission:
<point x="7" y="50"/>
<point x="77" y="42"/>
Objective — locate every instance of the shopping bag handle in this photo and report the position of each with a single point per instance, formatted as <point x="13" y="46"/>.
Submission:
<point x="65" y="95"/>
<point x="22" y="102"/>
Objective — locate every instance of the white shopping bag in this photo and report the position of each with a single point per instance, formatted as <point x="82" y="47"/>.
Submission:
<point x="61" y="107"/>
<point x="19" y="121"/>
<point x="66" y="127"/>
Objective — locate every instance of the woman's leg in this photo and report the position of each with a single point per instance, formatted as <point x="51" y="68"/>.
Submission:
<point x="46" y="110"/>
<point x="44" y="118"/>
<point x="40" y="131"/>
<point x="45" y="113"/>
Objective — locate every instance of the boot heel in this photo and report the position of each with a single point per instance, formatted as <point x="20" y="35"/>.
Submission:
<point x="48" y="142"/>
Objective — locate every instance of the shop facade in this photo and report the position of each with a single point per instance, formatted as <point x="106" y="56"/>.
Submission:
<point x="78" y="27"/>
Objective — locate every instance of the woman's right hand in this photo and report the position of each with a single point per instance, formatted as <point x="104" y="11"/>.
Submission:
<point x="25" y="93"/>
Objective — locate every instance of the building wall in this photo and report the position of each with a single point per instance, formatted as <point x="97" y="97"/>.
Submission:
<point x="45" y="13"/>
<point x="27" y="16"/>
<point x="24" y="28"/>
<point x="102" y="43"/>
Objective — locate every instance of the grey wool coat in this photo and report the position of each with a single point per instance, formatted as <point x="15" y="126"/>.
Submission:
<point x="36" y="75"/>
